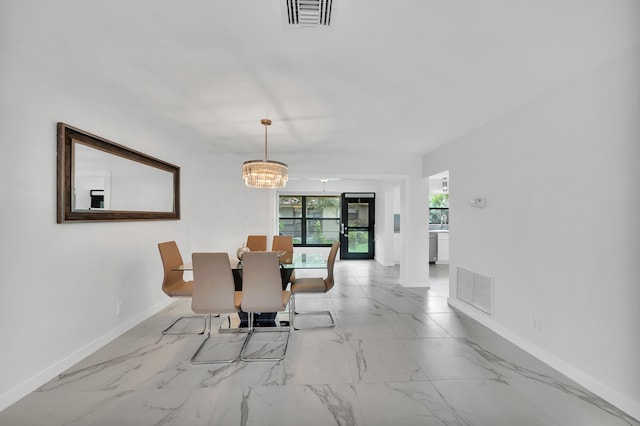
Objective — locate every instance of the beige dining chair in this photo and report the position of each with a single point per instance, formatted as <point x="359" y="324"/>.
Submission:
<point x="257" y="242"/>
<point x="262" y="292"/>
<point x="174" y="284"/>
<point x="214" y="293"/>
<point x="315" y="285"/>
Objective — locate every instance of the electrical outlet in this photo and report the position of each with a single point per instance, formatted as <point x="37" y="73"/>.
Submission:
<point x="534" y="323"/>
<point x="119" y="307"/>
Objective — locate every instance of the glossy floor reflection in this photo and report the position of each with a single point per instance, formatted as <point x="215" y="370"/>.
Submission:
<point x="398" y="356"/>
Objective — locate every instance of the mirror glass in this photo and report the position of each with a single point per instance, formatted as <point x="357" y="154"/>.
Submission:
<point x="105" y="181"/>
<point x="101" y="180"/>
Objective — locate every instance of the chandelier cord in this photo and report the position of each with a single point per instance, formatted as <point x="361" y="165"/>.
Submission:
<point x="265" y="142"/>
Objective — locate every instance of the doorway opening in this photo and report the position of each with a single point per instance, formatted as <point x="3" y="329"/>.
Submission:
<point x="439" y="193"/>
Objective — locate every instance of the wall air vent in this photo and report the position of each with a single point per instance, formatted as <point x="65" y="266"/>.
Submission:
<point x="309" y="13"/>
<point x="476" y="290"/>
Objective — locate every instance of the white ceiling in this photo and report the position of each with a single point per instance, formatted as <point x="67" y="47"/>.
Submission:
<point x="403" y="76"/>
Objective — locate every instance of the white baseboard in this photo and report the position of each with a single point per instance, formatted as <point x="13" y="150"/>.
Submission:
<point x="17" y="392"/>
<point x="605" y="392"/>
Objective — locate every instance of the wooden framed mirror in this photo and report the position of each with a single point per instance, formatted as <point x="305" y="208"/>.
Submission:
<point x="100" y="180"/>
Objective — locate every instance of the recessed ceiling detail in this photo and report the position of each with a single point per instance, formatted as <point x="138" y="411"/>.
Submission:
<point x="309" y="13"/>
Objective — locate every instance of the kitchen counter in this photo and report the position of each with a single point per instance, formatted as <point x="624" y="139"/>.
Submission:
<point x="439" y="245"/>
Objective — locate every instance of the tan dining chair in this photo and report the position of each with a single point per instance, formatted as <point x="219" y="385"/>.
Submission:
<point x="262" y="292"/>
<point x="174" y="284"/>
<point x="257" y="242"/>
<point x="315" y="285"/>
<point x="284" y="244"/>
<point x="213" y="293"/>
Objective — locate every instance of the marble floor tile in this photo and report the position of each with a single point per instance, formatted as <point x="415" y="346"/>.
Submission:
<point x="315" y="405"/>
<point x="447" y="358"/>
<point x="407" y="326"/>
<point x="392" y="290"/>
<point x="395" y="305"/>
<point x="131" y="369"/>
<point x="364" y="326"/>
<point x="490" y="403"/>
<point x="433" y="304"/>
<point x="397" y="356"/>
<point x="510" y="359"/>
<point x="354" y="305"/>
<point x="314" y="361"/>
<point x="339" y="292"/>
<point x="404" y="403"/>
<point x="382" y="361"/>
<point x="253" y="405"/>
<point x="570" y="404"/>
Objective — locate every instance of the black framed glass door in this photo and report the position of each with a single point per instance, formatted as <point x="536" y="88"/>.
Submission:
<point x="357" y="225"/>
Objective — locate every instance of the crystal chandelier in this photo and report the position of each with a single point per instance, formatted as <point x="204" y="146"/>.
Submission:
<point x="264" y="173"/>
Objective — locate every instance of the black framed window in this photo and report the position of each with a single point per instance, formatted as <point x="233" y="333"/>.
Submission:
<point x="438" y="209"/>
<point x="312" y="221"/>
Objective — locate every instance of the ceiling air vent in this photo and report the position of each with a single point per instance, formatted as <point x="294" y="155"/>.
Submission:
<point x="309" y="13"/>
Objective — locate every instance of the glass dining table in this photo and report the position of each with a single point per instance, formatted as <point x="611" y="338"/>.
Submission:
<point x="299" y="261"/>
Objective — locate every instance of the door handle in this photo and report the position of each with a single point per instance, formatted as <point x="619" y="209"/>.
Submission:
<point x="342" y="228"/>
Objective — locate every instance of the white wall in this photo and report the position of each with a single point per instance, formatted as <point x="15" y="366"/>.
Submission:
<point x="225" y="210"/>
<point x="61" y="282"/>
<point x="560" y="233"/>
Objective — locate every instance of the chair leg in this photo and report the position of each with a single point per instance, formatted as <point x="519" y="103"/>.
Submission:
<point x="253" y="330"/>
<point x="166" y="330"/>
<point x="195" y="361"/>
<point x="293" y="309"/>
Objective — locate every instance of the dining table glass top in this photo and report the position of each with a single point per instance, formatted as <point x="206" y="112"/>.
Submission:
<point x="300" y="261"/>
